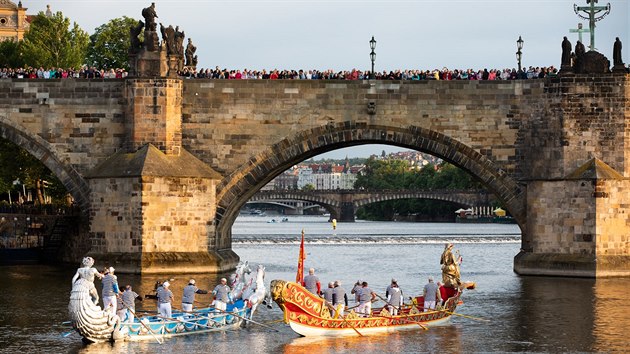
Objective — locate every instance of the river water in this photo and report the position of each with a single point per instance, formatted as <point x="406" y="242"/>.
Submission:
<point x="526" y="314"/>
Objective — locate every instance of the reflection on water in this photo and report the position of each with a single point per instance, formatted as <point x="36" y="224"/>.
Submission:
<point x="611" y="315"/>
<point x="443" y="339"/>
<point x="531" y="314"/>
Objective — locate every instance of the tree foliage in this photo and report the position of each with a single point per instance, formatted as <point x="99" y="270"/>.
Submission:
<point x="109" y="45"/>
<point x="398" y="174"/>
<point x="21" y="168"/>
<point x="10" y="54"/>
<point x="52" y="42"/>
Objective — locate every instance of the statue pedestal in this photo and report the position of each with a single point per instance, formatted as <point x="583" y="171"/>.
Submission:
<point x="174" y="65"/>
<point x="149" y="64"/>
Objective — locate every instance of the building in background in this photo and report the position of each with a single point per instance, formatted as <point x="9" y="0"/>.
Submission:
<point x="13" y="21"/>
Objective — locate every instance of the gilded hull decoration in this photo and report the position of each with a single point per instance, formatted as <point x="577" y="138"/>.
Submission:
<point x="308" y="315"/>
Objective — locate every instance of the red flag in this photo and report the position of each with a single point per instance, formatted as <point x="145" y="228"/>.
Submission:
<point x="299" y="277"/>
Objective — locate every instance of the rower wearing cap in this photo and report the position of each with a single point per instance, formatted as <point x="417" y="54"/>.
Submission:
<point x="222" y="295"/>
<point x="389" y="287"/>
<point x="165" y="297"/>
<point x="110" y="291"/>
<point x="188" y="299"/>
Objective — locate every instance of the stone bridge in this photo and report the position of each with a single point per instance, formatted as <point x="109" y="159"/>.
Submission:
<point x="163" y="165"/>
<point x="342" y="204"/>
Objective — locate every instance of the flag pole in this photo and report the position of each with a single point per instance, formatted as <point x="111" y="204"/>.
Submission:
<point x="299" y="277"/>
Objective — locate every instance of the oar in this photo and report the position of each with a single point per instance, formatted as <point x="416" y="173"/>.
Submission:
<point x="343" y="318"/>
<point x="143" y="324"/>
<point x="406" y="319"/>
<point x="276" y="321"/>
<point x="247" y="319"/>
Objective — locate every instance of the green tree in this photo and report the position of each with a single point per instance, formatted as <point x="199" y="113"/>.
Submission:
<point x="10" y="54"/>
<point x="308" y="187"/>
<point x="52" y="42"/>
<point x="109" y="45"/>
<point x="18" y="165"/>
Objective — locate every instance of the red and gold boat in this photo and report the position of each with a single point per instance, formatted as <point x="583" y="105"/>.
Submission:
<point x="310" y="315"/>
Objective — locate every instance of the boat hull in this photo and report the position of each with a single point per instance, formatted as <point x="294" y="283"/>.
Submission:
<point x="309" y="315"/>
<point x="200" y="321"/>
<point x="314" y="331"/>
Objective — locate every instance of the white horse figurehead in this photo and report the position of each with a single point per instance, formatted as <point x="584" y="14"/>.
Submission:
<point x="256" y="295"/>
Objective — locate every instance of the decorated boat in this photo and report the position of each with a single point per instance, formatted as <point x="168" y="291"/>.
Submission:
<point x="96" y="325"/>
<point x="310" y="315"/>
<point x="184" y="323"/>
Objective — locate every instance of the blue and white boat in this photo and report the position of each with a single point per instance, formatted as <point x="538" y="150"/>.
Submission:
<point x="185" y="323"/>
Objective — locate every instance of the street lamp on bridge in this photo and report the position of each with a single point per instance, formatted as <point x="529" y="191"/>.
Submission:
<point x="372" y="56"/>
<point x="519" y="53"/>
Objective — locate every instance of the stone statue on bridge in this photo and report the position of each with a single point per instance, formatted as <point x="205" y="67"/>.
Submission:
<point x="618" y="65"/>
<point x="150" y="15"/>
<point x="179" y="42"/>
<point x="135" y="42"/>
<point x="190" y="54"/>
<point x="168" y="38"/>
<point x="565" y="63"/>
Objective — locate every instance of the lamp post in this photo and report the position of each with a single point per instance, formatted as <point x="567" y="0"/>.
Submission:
<point x="372" y="56"/>
<point x="519" y="54"/>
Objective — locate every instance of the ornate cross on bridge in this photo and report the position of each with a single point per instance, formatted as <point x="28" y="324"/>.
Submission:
<point x="579" y="31"/>
<point x="591" y="11"/>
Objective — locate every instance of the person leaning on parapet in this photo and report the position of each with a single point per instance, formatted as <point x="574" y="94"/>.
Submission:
<point x="188" y="299"/>
<point x="311" y="282"/>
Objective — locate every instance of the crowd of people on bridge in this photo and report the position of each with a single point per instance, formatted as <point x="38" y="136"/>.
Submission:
<point x="84" y="72"/>
<point x="87" y="72"/>
<point x="354" y="74"/>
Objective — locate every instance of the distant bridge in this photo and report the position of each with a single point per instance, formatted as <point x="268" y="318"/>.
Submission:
<point x="343" y="203"/>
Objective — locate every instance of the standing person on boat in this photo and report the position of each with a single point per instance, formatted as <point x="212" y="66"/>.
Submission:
<point x="431" y="295"/>
<point x="339" y="298"/>
<point x="164" y="299"/>
<point x="366" y="296"/>
<point x="328" y="292"/>
<point x="450" y="268"/>
<point x="356" y="291"/>
<point x="311" y="282"/>
<point x="394" y="298"/>
<point x="221" y="293"/>
<point x="110" y="291"/>
<point x="188" y="299"/>
<point x="128" y="300"/>
<point x="389" y="287"/>
<point x="87" y="272"/>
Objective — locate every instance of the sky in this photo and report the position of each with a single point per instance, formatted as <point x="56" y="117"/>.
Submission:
<point x="335" y="34"/>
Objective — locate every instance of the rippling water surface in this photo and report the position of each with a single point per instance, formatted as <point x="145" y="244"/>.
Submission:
<point x="526" y="314"/>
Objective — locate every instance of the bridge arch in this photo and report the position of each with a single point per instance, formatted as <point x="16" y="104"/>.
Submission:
<point x="236" y="188"/>
<point x="45" y="153"/>
<point x="437" y="195"/>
